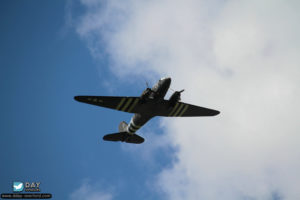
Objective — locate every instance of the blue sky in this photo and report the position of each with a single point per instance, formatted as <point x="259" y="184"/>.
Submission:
<point x="45" y="135"/>
<point x="239" y="57"/>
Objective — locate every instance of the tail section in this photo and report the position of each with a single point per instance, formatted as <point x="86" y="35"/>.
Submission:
<point x="124" y="137"/>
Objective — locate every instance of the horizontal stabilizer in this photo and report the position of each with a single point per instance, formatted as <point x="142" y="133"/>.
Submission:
<point x="124" y="137"/>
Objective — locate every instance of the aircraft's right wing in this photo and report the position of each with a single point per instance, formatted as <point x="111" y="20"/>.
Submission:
<point x="185" y="110"/>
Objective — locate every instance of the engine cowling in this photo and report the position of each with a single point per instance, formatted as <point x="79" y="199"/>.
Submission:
<point x="145" y="95"/>
<point x="176" y="97"/>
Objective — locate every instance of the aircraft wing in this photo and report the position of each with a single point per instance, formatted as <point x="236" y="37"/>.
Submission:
<point x="126" y="104"/>
<point x="185" y="110"/>
<point x="152" y="107"/>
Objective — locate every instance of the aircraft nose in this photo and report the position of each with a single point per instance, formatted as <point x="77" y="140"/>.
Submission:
<point x="166" y="80"/>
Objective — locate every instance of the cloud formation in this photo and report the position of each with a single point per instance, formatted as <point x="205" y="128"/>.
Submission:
<point x="240" y="57"/>
<point x="88" y="191"/>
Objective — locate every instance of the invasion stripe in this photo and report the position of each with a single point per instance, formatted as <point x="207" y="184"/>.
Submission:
<point x="127" y="104"/>
<point x="134" y="125"/>
<point x="120" y="104"/>
<point x="178" y="110"/>
<point x="183" y="111"/>
<point x="130" y="130"/>
<point x="133" y="105"/>
<point x="133" y="128"/>
<point x="173" y="110"/>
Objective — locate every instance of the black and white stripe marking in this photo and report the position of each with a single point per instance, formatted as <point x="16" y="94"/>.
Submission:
<point x="132" y="128"/>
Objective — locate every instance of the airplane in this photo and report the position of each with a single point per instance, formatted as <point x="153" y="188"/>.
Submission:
<point x="150" y="104"/>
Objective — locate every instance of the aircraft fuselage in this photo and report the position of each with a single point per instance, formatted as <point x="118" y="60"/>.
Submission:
<point x="156" y="94"/>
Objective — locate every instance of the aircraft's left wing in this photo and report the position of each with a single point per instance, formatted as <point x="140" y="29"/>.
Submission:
<point x="185" y="110"/>
<point x="126" y="104"/>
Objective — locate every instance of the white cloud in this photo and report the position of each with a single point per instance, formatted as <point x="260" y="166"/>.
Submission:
<point x="241" y="57"/>
<point x="153" y="146"/>
<point x="90" y="192"/>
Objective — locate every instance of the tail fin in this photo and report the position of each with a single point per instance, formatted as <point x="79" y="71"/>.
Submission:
<point x="124" y="137"/>
<point x="123" y="127"/>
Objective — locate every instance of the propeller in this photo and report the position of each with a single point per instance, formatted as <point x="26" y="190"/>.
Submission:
<point x="148" y="89"/>
<point x="177" y="91"/>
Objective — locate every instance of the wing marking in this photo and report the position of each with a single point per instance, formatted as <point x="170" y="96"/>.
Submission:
<point x="121" y="103"/>
<point x="127" y="104"/>
<point x="183" y="110"/>
<point x="180" y="107"/>
<point x="173" y="110"/>
<point x="133" y="105"/>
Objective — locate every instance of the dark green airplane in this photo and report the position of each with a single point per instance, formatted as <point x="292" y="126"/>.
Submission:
<point x="150" y="104"/>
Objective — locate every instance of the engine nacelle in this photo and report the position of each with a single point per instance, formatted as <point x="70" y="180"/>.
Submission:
<point x="145" y="95"/>
<point x="175" y="98"/>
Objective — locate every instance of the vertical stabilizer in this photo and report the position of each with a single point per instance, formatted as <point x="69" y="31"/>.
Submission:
<point x="123" y="127"/>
